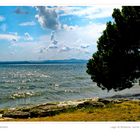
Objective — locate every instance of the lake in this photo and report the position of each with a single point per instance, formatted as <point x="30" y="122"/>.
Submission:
<point x="31" y="84"/>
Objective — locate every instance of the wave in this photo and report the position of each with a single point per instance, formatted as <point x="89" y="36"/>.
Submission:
<point x="71" y="91"/>
<point x="44" y="76"/>
<point x="23" y="95"/>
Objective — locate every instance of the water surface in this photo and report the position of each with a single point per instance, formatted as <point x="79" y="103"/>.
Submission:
<point x="32" y="84"/>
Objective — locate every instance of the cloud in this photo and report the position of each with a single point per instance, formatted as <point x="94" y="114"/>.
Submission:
<point x="2" y="18"/>
<point x="28" y="37"/>
<point x="52" y="35"/>
<point x="77" y="43"/>
<point x="47" y="18"/>
<point x="55" y="42"/>
<point x="9" y="37"/>
<point x="84" y="35"/>
<point x="20" y="11"/>
<point x="3" y="27"/>
<point x="92" y="31"/>
<point x="87" y="52"/>
<point x="90" y="12"/>
<point x="12" y="53"/>
<point x="14" y="39"/>
<point x="29" y="23"/>
<point x="42" y="50"/>
<point x="96" y="12"/>
<point x="84" y="46"/>
<point x="53" y="47"/>
<point x="68" y="28"/>
<point x="63" y="44"/>
<point x="65" y="49"/>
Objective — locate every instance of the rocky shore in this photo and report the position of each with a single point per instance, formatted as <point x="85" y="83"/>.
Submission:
<point x="51" y="109"/>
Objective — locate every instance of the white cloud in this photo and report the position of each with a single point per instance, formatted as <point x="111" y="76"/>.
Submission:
<point x="9" y="37"/>
<point x="92" y="31"/>
<point x="93" y="12"/>
<point x="42" y="50"/>
<point x="28" y="37"/>
<point x="63" y="44"/>
<point x="54" y="42"/>
<point x="47" y="18"/>
<point x="2" y="18"/>
<point x="14" y="39"/>
<point x="81" y="35"/>
<point x="65" y="49"/>
<point x="87" y="52"/>
<point x="77" y="43"/>
<point x="29" y="23"/>
<point x="68" y="28"/>
<point x="90" y="12"/>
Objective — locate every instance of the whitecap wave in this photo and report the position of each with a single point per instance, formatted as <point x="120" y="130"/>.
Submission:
<point x="71" y="91"/>
<point x="56" y="85"/>
<point x="44" y="76"/>
<point x="22" y="95"/>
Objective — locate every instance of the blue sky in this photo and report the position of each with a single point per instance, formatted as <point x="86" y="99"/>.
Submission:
<point x="51" y="33"/>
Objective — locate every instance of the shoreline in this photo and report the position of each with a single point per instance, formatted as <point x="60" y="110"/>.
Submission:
<point x="50" y="110"/>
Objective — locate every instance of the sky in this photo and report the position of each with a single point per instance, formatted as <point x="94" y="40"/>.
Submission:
<point x="51" y="32"/>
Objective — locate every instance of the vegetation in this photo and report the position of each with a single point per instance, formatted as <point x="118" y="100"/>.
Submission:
<point x="124" y="111"/>
<point x="116" y="64"/>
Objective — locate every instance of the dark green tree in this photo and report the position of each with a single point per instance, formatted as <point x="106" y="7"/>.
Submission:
<point x="116" y="64"/>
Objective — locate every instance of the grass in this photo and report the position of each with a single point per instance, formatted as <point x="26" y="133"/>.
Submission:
<point x="125" y="111"/>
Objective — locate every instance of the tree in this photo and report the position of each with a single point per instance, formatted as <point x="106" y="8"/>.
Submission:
<point x="116" y="64"/>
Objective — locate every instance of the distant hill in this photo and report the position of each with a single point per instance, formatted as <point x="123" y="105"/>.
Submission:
<point x="65" y="61"/>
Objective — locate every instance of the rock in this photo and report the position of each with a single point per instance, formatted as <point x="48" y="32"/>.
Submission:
<point x="45" y="107"/>
<point x="16" y="114"/>
<point x="91" y="104"/>
<point x="44" y="111"/>
<point x="0" y="115"/>
<point x="51" y="109"/>
<point x="1" y="111"/>
<point x="105" y="101"/>
<point x="116" y="101"/>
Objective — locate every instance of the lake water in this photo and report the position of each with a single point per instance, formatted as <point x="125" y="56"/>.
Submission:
<point x="22" y="85"/>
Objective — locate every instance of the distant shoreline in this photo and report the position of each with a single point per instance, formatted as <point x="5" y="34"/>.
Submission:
<point x="46" y="61"/>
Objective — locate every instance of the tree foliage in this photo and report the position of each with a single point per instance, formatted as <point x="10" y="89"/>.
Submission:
<point x="116" y="64"/>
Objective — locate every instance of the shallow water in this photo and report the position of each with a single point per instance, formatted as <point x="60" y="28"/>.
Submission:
<point x="35" y="84"/>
